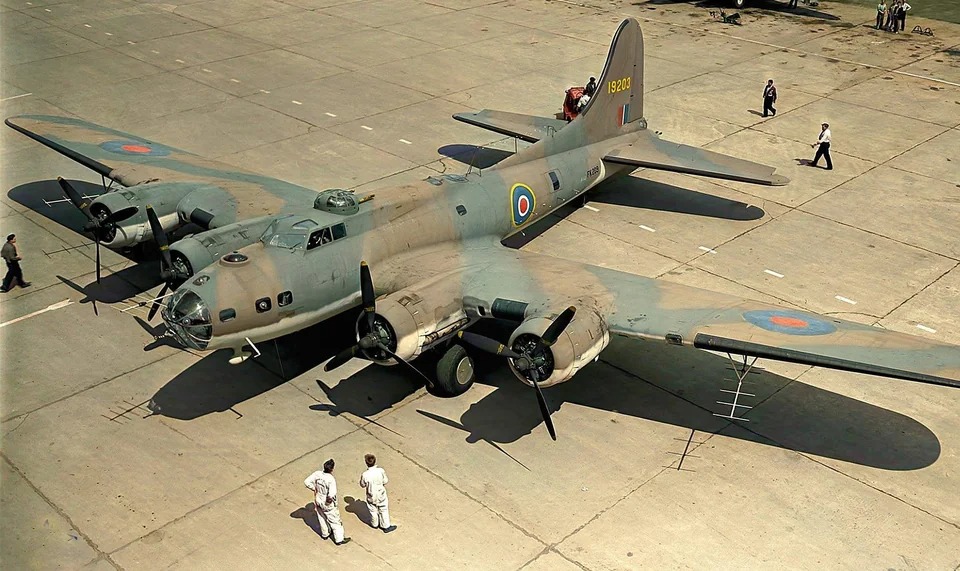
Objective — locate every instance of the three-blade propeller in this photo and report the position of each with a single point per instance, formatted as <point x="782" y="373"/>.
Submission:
<point x="530" y="358"/>
<point x="99" y="226"/>
<point x="373" y="339"/>
<point x="167" y="272"/>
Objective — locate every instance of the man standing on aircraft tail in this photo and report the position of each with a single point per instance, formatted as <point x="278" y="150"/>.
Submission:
<point x="769" y="98"/>
<point x="824" y="147"/>
<point x="11" y="255"/>
<point x="374" y="480"/>
<point x="324" y="488"/>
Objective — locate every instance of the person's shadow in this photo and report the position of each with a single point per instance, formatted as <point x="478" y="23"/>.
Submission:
<point x="358" y="508"/>
<point x="308" y="514"/>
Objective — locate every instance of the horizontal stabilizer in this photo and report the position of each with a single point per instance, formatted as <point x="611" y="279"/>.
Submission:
<point x="652" y="152"/>
<point x="529" y="128"/>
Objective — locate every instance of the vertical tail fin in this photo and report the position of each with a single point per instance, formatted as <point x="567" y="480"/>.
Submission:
<point x="619" y="96"/>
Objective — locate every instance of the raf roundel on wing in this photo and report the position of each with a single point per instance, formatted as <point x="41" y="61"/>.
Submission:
<point x="789" y="322"/>
<point x="140" y="148"/>
<point x="523" y="203"/>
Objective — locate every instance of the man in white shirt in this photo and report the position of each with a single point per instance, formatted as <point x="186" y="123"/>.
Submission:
<point x="324" y="488"/>
<point x="374" y="480"/>
<point x="824" y="150"/>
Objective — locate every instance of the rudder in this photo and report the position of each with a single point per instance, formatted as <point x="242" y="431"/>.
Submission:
<point x="619" y="96"/>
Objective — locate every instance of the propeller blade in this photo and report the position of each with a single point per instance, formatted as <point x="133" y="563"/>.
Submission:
<point x="82" y="204"/>
<point x="341" y="358"/>
<point x="544" y="410"/>
<point x="121" y="215"/>
<point x="368" y="295"/>
<point x="397" y="358"/>
<point x="487" y="344"/>
<point x="553" y="332"/>
<point x="156" y="303"/>
<point x="161" y="238"/>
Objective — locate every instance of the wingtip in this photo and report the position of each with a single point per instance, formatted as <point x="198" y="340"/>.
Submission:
<point x="779" y="180"/>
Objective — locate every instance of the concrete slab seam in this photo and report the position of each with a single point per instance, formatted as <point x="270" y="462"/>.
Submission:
<point x="61" y="513"/>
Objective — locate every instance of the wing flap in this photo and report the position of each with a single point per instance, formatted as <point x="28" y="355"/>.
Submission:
<point x="529" y="128"/>
<point x="654" y="153"/>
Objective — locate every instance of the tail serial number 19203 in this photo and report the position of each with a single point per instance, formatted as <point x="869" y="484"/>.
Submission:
<point x="618" y="85"/>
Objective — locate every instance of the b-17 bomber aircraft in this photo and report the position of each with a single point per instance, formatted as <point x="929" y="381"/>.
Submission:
<point x="426" y="262"/>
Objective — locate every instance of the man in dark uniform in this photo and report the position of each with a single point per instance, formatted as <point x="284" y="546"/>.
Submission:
<point x="591" y="87"/>
<point x="12" y="257"/>
<point x="769" y="98"/>
<point x="824" y="150"/>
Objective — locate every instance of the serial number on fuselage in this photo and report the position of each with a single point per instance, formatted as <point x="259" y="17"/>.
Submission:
<point x="594" y="171"/>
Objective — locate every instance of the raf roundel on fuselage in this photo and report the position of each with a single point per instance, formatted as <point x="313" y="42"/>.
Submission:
<point x="523" y="203"/>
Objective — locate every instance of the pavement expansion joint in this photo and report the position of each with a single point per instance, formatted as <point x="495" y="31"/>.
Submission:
<point x="93" y="545"/>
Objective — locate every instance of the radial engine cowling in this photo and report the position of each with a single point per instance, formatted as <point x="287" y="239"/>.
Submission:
<point x="578" y="344"/>
<point x="407" y="325"/>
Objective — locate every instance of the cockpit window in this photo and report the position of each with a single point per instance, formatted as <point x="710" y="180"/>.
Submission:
<point x="326" y="235"/>
<point x="304" y="224"/>
<point x="288" y="232"/>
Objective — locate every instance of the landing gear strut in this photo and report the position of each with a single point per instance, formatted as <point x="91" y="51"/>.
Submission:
<point x="455" y="372"/>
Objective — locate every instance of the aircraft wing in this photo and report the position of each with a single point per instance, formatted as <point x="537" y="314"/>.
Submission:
<point x="132" y="160"/>
<point x="652" y="152"/>
<point x="640" y="307"/>
<point x="529" y="128"/>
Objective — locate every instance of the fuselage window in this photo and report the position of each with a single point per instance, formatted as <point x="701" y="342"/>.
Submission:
<point x="228" y="314"/>
<point x="555" y="180"/>
<point x="339" y="231"/>
<point x="264" y="304"/>
<point x="285" y="298"/>
<point x="461" y="210"/>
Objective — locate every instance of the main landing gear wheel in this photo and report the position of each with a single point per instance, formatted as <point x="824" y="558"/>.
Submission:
<point x="455" y="372"/>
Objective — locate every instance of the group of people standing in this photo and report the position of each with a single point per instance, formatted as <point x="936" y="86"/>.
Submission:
<point x="892" y="18"/>
<point x="324" y="488"/>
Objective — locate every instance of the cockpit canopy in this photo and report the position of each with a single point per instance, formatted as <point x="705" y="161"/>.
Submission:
<point x="288" y="231"/>
<point x="296" y="232"/>
<point x="337" y="201"/>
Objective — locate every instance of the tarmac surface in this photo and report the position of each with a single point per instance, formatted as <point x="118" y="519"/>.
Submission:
<point x="121" y="452"/>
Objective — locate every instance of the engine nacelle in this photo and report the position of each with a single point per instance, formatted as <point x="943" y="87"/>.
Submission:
<point x="193" y="253"/>
<point x="412" y="324"/>
<point x="581" y="342"/>
<point x="163" y="197"/>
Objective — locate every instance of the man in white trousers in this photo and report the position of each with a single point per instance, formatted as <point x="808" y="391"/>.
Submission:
<point x="374" y="480"/>
<point x="324" y="488"/>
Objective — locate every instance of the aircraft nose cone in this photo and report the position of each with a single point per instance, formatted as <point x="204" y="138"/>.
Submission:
<point x="188" y="316"/>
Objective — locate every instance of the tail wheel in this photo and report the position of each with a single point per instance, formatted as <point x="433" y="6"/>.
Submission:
<point x="455" y="372"/>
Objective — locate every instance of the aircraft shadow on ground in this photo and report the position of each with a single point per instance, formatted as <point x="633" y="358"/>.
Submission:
<point x="780" y="6"/>
<point x="669" y="387"/>
<point x="638" y="192"/>
<point x="801" y="417"/>
<point x="213" y="385"/>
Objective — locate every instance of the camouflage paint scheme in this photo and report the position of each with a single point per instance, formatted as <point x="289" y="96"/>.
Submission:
<point x="438" y="264"/>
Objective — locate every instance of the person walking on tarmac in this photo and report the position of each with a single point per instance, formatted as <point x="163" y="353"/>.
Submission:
<point x="324" y="488"/>
<point x="373" y="481"/>
<point x="769" y="98"/>
<point x="11" y="255"/>
<point x="824" y="150"/>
